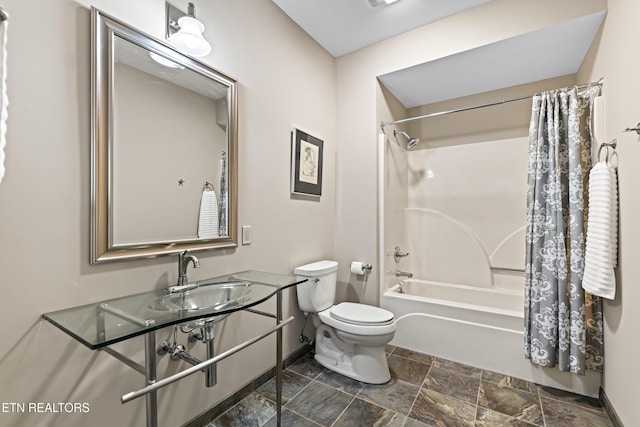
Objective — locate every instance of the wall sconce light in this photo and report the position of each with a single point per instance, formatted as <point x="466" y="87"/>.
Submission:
<point x="185" y="31"/>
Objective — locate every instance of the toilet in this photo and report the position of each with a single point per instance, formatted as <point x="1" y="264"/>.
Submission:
<point x="350" y="338"/>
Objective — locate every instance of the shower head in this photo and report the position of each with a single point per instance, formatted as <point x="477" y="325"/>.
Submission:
<point x="411" y="141"/>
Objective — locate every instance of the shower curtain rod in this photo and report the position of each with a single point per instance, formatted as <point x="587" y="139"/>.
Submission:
<point x="459" y="110"/>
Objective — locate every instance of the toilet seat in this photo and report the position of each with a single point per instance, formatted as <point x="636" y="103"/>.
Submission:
<point x="360" y="325"/>
<point x="361" y="314"/>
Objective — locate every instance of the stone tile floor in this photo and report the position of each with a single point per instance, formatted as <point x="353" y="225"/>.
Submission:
<point x="423" y="391"/>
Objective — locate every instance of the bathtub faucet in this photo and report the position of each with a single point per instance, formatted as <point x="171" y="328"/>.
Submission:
<point x="398" y="254"/>
<point x="403" y="274"/>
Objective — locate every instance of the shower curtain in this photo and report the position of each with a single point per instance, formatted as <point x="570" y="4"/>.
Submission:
<point x="563" y="324"/>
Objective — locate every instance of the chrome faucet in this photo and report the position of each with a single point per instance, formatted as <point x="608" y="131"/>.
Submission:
<point x="404" y="274"/>
<point x="184" y="258"/>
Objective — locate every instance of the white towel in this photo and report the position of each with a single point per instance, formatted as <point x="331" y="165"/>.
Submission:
<point x="208" y="218"/>
<point x="601" y="253"/>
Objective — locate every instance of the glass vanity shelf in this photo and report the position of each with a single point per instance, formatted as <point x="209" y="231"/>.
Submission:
<point x="104" y="323"/>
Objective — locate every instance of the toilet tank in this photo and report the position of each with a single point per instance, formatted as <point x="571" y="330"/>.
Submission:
<point x="318" y="293"/>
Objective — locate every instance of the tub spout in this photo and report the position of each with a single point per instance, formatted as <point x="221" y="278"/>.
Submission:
<point x="404" y="274"/>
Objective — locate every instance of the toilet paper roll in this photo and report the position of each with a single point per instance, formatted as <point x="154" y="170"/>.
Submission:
<point x="357" y="267"/>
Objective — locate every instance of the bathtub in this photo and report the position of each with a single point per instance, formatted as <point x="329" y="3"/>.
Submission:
<point x="481" y="327"/>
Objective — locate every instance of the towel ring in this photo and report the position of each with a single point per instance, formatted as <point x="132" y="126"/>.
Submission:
<point x="208" y="186"/>
<point x="606" y="156"/>
<point x="612" y="144"/>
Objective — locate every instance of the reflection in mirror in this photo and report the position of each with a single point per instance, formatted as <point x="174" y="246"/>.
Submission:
<point x="164" y="148"/>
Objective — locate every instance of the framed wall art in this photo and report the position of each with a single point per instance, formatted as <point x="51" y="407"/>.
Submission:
<point x="306" y="164"/>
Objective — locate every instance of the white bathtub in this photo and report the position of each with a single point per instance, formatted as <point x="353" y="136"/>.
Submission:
<point x="481" y="327"/>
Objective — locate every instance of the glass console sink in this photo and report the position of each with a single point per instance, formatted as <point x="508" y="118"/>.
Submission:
<point x="101" y="324"/>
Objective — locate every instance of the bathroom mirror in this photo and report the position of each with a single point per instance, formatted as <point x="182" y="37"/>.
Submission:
<point x="164" y="142"/>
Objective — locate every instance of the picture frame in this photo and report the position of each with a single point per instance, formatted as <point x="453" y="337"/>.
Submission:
<point x="306" y="164"/>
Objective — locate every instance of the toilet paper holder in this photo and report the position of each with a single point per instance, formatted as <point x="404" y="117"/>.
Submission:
<point x="358" y="267"/>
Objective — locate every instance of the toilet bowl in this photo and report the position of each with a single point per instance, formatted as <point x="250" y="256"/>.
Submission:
<point x="350" y="337"/>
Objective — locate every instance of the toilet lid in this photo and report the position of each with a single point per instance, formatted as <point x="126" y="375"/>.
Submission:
<point x="360" y="314"/>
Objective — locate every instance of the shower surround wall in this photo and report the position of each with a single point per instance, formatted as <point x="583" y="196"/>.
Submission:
<point x="462" y="223"/>
<point x="465" y="212"/>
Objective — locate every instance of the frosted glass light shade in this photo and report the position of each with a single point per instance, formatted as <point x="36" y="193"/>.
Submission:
<point x="189" y="39"/>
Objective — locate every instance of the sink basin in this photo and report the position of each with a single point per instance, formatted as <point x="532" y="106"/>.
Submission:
<point x="213" y="298"/>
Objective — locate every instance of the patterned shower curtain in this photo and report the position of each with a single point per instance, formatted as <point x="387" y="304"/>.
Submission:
<point x="563" y="324"/>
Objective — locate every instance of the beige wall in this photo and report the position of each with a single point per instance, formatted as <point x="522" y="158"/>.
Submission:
<point x="285" y="80"/>
<point x="609" y="58"/>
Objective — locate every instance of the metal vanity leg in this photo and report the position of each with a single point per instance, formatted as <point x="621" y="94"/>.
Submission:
<point x="100" y="324"/>
<point x="150" y="375"/>
<point x="279" y="359"/>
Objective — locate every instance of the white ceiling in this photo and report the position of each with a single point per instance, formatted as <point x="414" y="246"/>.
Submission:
<point x="343" y="26"/>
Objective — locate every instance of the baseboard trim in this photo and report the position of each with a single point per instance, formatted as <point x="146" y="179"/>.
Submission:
<point x="221" y="407"/>
<point x="608" y="408"/>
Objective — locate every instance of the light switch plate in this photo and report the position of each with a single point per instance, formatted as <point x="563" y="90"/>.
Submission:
<point x="246" y="234"/>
